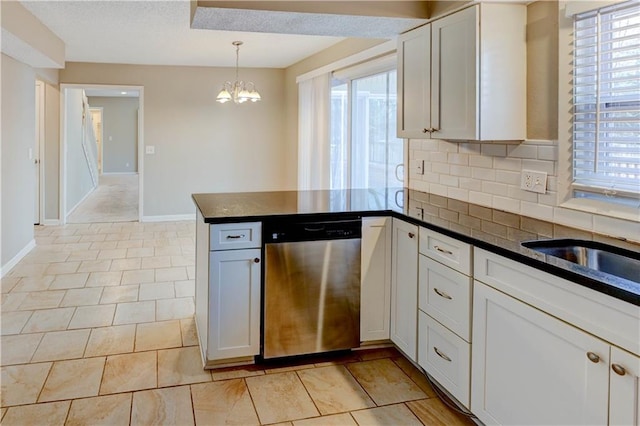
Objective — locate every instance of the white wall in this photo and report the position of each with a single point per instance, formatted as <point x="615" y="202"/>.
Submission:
<point x="120" y="129"/>
<point x="52" y="152"/>
<point x="78" y="180"/>
<point x="200" y="145"/>
<point x="18" y="171"/>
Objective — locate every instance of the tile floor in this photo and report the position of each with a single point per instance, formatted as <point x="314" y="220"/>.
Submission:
<point x="114" y="200"/>
<point x="97" y="329"/>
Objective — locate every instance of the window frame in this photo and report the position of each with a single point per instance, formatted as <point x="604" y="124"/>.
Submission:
<point x="566" y="188"/>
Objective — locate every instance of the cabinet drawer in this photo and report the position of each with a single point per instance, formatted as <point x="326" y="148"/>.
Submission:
<point x="444" y="356"/>
<point x="445" y="294"/>
<point x="231" y="236"/>
<point x="449" y="251"/>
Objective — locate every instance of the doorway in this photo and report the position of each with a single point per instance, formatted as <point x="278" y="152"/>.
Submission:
<point x="98" y="146"/>
<point x="37" y="154"/>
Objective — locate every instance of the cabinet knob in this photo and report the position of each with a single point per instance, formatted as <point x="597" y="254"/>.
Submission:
<point x="618" y="369"/>
<point x="411" y="235"/>
<point x="593" y="357"/>
<point x="433" y="130"/>
<point x="256" y="260"/>
<point x="425" y="130"/>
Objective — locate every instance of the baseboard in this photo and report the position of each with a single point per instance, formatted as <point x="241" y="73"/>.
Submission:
<point x="169" y="218"/>
<point x="17" y="258"/>
<point x="118" y="173"/>
<point x="51" y="222"/>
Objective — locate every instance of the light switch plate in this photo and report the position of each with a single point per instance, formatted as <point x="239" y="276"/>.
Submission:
<point x="150" y="149"/>
<point x="419" y="167"/>
<point x="534" y="181"/>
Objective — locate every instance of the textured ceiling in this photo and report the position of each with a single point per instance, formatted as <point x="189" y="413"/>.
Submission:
<point x="158" y="32"/>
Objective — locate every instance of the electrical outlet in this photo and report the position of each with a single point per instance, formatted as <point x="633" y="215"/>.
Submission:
<point x="534" y="181"/>
<point x="150" y="149"/>
<point x="419" y="167"/>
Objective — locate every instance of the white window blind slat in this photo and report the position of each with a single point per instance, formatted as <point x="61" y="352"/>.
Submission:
<point x="606" y="99"/>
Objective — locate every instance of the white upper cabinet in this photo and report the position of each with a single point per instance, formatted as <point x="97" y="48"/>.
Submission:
<point x="470" y="67"/>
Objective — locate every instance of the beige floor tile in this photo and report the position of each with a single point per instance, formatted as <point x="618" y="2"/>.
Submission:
<point x="108" y="410"/>
<point x="62" y="268"/>
<point x="104" y="279"/>
<point x="18" y="348"/>
<point x="414" y="374"/>
<point x="84" y="255"/>
<point x="13" y="322"/>
<point x="59" y="345"/>
<point x="92" y="316"/>
<point x="92" y="238"/>
<point x="156" y="291"/>
<point x="125" y="264"/>
<point x="135" y="312"/>
<point x="397" y="414"/>
<point x="111" y="340"/>
<point x="230" y="406"/>
<point x="129" y="243"/>
<point x="168" y="309"/>
<point x="433" y="412"/>
<point x="42" y="300"/>
<point x="237" y="372"/>
<point x="277" y="370"/>
<point x="171" y="406"/>
<point x="119" y="253"/>
<point x="138" y="276"/>
<point x="334" y="390"/>
<point x="78" y="378"/>
<point x="66" y="281"/>
<point x="280" y="398"/>
<point x="51" y="414"/>
<point x="158" y="335"/>
<point x="171" y="274"/>
<point x="82" y="297"/>
<point x="189" y="332"/>
<point x="21" y="384"/>
<point x="49" y="320"/>
<point x="185" y="288"/>
<point x="140" y="252"/>
<point x="153" y="262"/>
<point x="40" y="283"/>
<point x="343" y="419"/>
<point x="380" y="353"/>
<point x="104" y="245"/>
<point x="9" y="283"/>
<point x="385" y="382"/>
<point x="28" y="270"/>
<point x="2" y="413"/>
<point x="12" y="301"/>
<point x="168" y="251"/>
<point x="120" y="294"/>
<point x="95" y="266"/>
<point x="129" y="372"/>
<point x="181" y="366"/>
<point x="182" y="260"/>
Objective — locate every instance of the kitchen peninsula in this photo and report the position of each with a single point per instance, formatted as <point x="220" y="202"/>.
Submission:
<point x="449" y="276"/>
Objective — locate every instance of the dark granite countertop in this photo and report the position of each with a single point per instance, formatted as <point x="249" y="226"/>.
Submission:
<point x="494" y="230"/>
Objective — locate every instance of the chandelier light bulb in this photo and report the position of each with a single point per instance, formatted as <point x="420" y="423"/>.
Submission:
<point x="238" y="91"/>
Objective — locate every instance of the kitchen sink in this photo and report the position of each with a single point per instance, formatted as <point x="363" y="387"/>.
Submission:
<point x="591" y="254"/>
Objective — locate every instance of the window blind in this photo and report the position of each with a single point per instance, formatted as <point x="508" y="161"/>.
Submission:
<point x="606" y="99"/>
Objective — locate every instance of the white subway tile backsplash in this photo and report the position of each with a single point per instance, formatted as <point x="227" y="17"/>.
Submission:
<point x="549" y="153"/>
<point x="536" y="210"/>
<point x="540" y="166"/>
<point x="548" y="199"/>
<point x="458" y="194"/>
<point x="438" y="157"/>
<point x="514" y="164"/>
<point x="447" y="146"/>
<point x="448" y="180"/>
<point x="430" y="145"/>
<point x="483" y="174"/>
<point x="442" y="168"/>
<point x="416" y="145"/>
<point x="419" y="185"/>
<point x="438" y="189"/>
<point x="461" y="159"/>
<point x="471" y="184"/>
<point x="480" y="161"/>
<point x="522" y="195"/>
<point x="508" y="177"/>
<point x="461" y="171"/>
<point x="573" y="218"/>
<point x="522" y="151"/>
<point x="480" y="198"/>
<point x="494" y="150"/>
<point x="495" y="188"/>
<point x="615" y="227"/>
<point x="469" y="148"/>
<point x="506" y="204"/>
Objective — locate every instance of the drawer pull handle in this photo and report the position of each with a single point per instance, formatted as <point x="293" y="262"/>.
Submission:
<point x="441" y="355"/>
<point x="618" y="369"/>
<point x="593" y="357"/>
<point x="442" y="294"/>
<point x="234" y="237"/>
<point x="256" y="260"/>
<point x="441" y="250"/>
<point x="411" y="235"/>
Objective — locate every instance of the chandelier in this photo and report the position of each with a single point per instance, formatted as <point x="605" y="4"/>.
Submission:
<point x="239" y="91"/>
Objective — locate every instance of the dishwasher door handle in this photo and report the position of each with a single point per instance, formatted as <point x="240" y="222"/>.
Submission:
<point x="318" y="229"/>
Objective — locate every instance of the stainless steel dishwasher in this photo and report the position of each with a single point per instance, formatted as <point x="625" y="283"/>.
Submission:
<point x="311" y="286"/>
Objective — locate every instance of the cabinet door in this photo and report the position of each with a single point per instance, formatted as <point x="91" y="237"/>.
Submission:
<point x="404" y="288"/>
<point x="454" y="70"/>
<point x="375" y="291"/>
<point x="624" y="397"/>
<point x="531" y="368"/>
<point x="414" y="81"/>
<point x="234" y="304"/>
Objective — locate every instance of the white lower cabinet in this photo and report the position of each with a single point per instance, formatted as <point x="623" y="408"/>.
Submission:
<point x="375" y="290"/>
<point x="531" y="368"/>
<point x="234" y="304"/>
<point x="404" y="288"/>
<point x="444" y="356"/>
<point x="624" y="388"/>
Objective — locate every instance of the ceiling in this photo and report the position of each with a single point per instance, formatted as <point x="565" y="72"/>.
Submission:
<point x="158" y="32"/>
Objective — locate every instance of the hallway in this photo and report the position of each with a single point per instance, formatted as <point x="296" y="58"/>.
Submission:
<point x="114" y="200"/>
